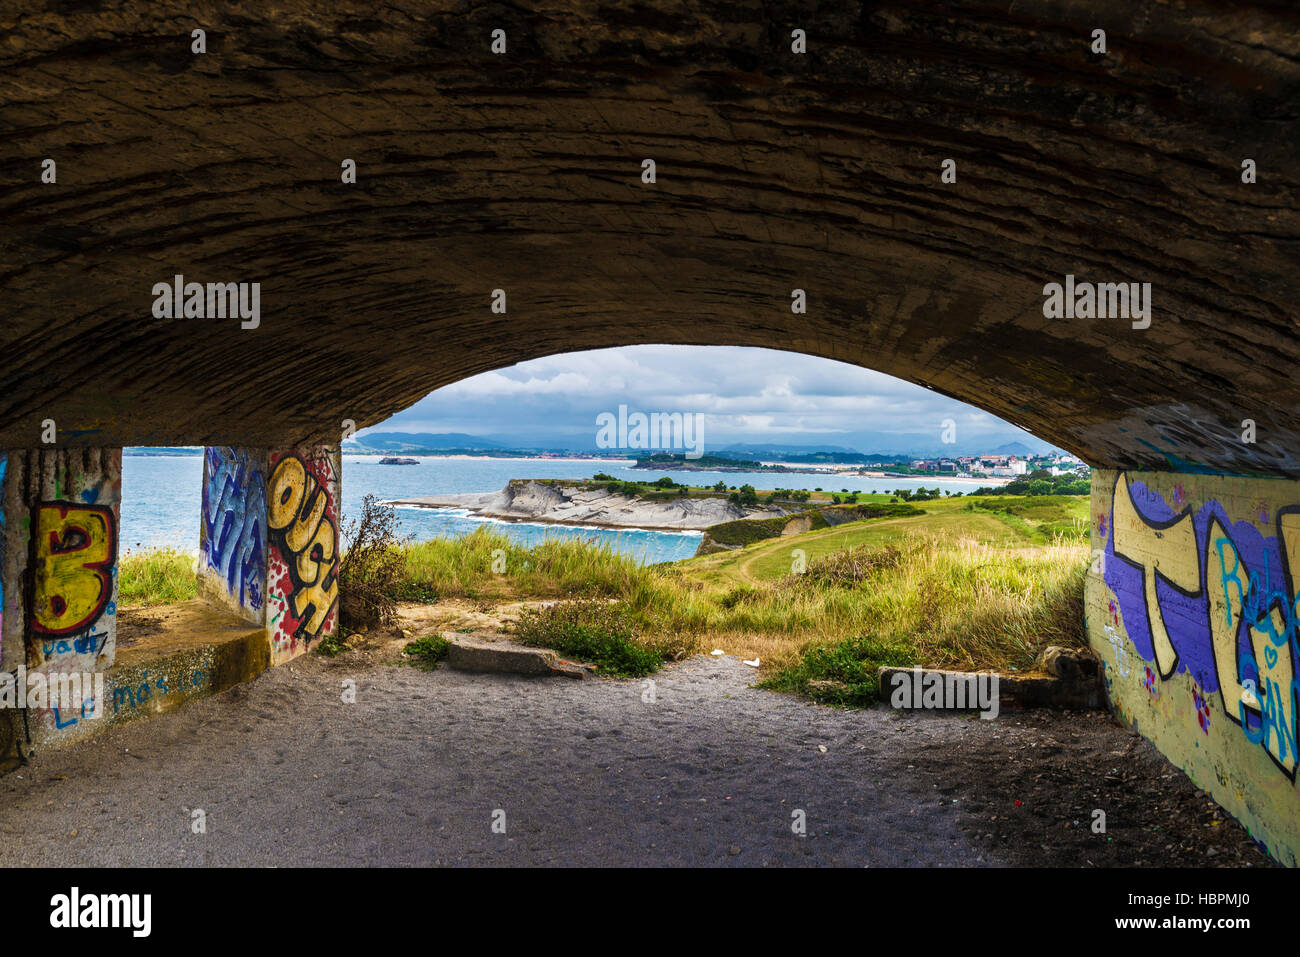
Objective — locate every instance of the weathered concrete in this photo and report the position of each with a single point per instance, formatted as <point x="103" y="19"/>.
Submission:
<point x="775" y="171"/>
<point x="59" y="529"/>
<point x="268" y="567"/>
<point x="1192" y="604"/>
<point x="1073" y="687"/>
<point x="269" y="541"/>
<point x="500" y="655"/>
<point x="168" y="656"/>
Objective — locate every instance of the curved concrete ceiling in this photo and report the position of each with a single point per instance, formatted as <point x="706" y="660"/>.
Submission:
<point x="775" y="170"/>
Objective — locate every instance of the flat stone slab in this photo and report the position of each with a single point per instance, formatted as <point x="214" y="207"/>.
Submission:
<point x="499" y="654"/>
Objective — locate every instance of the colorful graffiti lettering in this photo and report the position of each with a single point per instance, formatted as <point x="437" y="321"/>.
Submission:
<point x="301" y="518"/>
<point x="75" y="551"/>
<point x="1217" y="599"/>
<point x="141" y="691"/>
<point x="234" y="504"/>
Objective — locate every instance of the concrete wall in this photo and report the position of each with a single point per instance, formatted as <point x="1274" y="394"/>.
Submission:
<point x="302" y="508"/>
<point x="1192" y="606"/>
<point x="267" y="577"/>
<point x="232" y="532"/>
<point x="268" y="541"/>
<point x="61" y="519"/>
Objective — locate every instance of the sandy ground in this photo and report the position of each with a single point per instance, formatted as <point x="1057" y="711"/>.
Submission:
<point x="588" y="773"/>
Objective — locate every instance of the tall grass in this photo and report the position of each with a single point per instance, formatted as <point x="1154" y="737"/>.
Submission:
<point x="955" y="603"/>
<point x="156" y="576"/>
<point x="937" y="602"/>
<point x="467" y="568"/>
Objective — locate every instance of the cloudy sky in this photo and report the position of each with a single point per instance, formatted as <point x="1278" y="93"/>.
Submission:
<point x="746" y="395"/>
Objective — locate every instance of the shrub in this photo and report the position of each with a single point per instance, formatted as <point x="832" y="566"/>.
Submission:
<point x="596" y="631"/>
<point x="845" y="673"/>
<point x="853" y="566"/>
<point x="371" y="568"/>
<point x="427" y="651"/>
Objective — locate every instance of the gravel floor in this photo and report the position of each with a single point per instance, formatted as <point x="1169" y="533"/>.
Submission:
<point x="587" y="773"/>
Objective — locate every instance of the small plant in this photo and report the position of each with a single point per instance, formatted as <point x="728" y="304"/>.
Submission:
<point x="595" y="631"/>
<point x="845" y="673"/>
<point x="371" y="568"/>
<point x="741" y="594"/>
<point x="331" y="646"/>
<point x="853" y="566"/>
<point x="426" y="652"/>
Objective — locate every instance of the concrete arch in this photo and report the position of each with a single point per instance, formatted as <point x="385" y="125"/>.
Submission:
<point x="775" y="171"/>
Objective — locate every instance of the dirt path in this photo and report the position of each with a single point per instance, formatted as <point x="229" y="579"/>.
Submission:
<point x="587" y="772"/>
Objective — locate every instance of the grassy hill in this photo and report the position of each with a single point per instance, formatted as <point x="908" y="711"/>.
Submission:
<point x="970" y="583"/>
<point x="1002" y="521"/>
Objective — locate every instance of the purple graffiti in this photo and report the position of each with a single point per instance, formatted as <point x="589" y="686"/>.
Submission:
<point x="234" y="510"/>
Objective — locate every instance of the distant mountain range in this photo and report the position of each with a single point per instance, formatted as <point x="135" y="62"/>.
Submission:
<point x="407" y="441"/>
<point x="893" y="447"/>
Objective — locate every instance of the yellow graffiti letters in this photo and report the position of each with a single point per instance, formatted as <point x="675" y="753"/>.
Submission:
<point x="297" y="506"/>
<point x="75" y="549"/>
<point x="1168" y="551"/>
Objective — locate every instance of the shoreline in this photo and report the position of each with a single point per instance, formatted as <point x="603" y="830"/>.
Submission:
<point x="550" y="522"/>
<point x="529" y="500"/>
<point x="778" y="468"/>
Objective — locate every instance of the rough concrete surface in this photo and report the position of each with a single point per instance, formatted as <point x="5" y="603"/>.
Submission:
<point x="775" y="171"/>
<point x="590" y="774"/>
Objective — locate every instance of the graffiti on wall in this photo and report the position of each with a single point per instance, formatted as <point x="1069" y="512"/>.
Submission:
<point x="1200" y="593"/>
<point x="234" y="510"/>
<point x="74" y="562"/>
<point x="302" y="524"/>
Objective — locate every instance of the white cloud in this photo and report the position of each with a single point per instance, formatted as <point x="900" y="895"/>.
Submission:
<point x="745" y="394"/>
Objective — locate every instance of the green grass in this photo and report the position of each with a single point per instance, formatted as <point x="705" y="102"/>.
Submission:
<point x="160" y="576"/>
<point x="966" y="585"/>
<point x="844" y="673"/>
<point x="487" y="565"/>
<point x="594" y="631"/>
<point x="426" y="652"/>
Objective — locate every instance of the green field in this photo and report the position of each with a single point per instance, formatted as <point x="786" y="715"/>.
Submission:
<point x="971" y="583"/>
<point x="1003" y="521"/>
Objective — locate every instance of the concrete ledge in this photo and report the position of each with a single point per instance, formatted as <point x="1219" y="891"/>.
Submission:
<point x="1071" y="680"/>
<point x="167" y="656"/>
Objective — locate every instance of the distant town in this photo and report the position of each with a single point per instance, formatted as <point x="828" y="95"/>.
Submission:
<point x="999" y="466"/>
<point x="771" y="459"/>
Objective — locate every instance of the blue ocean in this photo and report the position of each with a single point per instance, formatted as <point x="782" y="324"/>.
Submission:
<point x="161" y="497"/>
